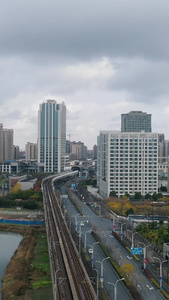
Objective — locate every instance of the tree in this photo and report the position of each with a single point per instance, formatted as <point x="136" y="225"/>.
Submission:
<point x="112" y="194"/>
<point x="15" y="188"/>
<point x="155" y="196"/>
<point x="147" y="196"/>
<point x="160" y="195"/>
<point x="129" y="269"/>
<point x="163" y="189"/>
<point x="138" y="196"/>
<point x="130" y="211"/>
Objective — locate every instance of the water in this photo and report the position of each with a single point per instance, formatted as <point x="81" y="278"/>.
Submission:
<point x="9" y="242"/>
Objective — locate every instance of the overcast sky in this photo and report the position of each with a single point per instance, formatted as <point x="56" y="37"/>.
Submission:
<point x="101" y="57"/>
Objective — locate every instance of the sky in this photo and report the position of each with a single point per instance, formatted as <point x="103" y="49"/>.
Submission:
<point x="101" y="57"/>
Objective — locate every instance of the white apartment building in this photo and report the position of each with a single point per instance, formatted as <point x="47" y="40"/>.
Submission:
<point x="127" y="162"/>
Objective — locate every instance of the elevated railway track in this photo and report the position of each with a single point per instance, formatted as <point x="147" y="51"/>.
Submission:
<point x="69" y="277"/>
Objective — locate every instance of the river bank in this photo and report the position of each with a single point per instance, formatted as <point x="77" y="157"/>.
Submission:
<point x="27" y="276"/>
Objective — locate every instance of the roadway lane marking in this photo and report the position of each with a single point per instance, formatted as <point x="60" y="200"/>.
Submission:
<point x="150" y="288"/>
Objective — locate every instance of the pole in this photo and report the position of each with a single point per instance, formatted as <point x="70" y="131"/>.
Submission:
<point x="161" y="274"/>
<point x="80" y="230"/>
<point x="93" y="252"/>
<point x="97" y="285"/>
<point x="85" y="238"/>
<point x="145" y="256"/>
<point x="102" y="278"/>
<point x="161" y="271"/>
<point x="115" y="288"/>
<point x="56" y="283"/>
<point x="132" y="244"/>
<point x="122" y="224"/>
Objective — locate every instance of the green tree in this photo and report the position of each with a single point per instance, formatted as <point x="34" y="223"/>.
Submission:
<point x="147" y="196"/>
<point x="163" y="189"/>
<point x="155" y="196"/>
<point x="138" y="196"/>
<point x="112" y="194"/>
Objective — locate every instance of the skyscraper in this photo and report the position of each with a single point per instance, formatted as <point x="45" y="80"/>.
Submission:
<point x="8" y="144"/>
<point x="1" y="142"/>
<point x="31" y="151"/>
<point x="136" y="121"/>
<point x="51" y="135"/>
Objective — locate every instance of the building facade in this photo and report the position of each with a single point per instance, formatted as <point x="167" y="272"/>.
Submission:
<point x="16" y="152"/>
<point x="51" y="136"/>
<point x="8" y="144"/>
<point x="127" y="163"/>
<point x="136" y="121"/>
<point x="78" y="150"/>
<point x="1" y="142"/>
<point x="31" y="151"/>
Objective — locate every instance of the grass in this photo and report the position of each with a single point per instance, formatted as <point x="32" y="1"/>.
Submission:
<point x="40" y="265"/>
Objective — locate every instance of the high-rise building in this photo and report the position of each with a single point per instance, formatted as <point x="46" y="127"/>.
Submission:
<point x="1" y="142"/>
<point x="31" y="151"/>
<point x="51" y="136"/>
<point x="95" y="152"/>
<point x="136" y="121"/>
<point x="127" y="163"/>
<point x="78" y="150"/>
<point x="16" y="152"/>
<point x="8" y="144"/>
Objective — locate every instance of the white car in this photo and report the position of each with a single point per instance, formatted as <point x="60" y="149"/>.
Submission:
<point x="82" y="224"/>
<point x="90" y="250"/>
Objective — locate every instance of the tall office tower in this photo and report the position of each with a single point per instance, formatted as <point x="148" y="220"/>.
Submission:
<point x="51" y="136"/>
<point x="31" y="151"/>
<point x="127" y="163"/>
<point x="16" y="152"/>
<point x="7" y="144"/>
<point x="1" y="142"/>
<point x="136" y="121"/>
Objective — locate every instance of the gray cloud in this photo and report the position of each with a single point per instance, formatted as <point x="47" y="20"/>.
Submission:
<point x="85" y="29"/>
<point x="102" y="58"/>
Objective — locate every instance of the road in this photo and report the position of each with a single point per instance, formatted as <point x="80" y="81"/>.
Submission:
<point x="104" y="225"/>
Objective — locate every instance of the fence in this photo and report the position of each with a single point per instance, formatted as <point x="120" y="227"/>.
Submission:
<point x="21" y="222"/>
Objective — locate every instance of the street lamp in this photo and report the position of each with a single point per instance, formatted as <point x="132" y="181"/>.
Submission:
<point x="97" y="287"/>
<point x="55" y="286"/>
<point x="122" y="224"/>
<point x="101" y="263"/>
<point x="114" y="226"/>
<point x="115" y="287"/>
<point x="80" y="233"/>
<point x="161" y="271"/>
<point x="76" y="220"/>
<point x="92" y="247"/>
<point x="132" y="243"/>
<point x="145" y="255"/>
<point x="89" y="231"/>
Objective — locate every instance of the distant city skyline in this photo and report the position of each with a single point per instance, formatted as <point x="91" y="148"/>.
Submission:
<point x="102" y="59"/>
<point x="80" y="136"/>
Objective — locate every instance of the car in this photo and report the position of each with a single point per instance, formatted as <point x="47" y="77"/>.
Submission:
<point x="82" y="224"/>
<point x="90" y="250"/>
